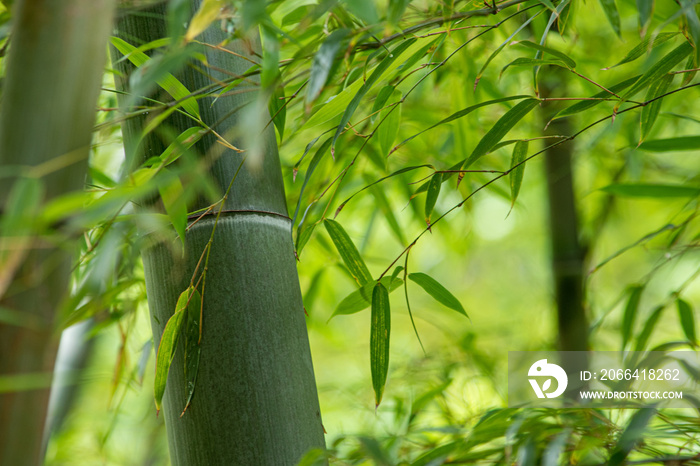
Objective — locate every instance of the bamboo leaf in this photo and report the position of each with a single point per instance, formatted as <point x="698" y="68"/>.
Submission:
<point x="206" y="14"/>
<point x="652" y="190"/>
<point x="649" y="325"/>
<point x="690" y="65"/>
<point x="322" y="64"/>
<point x="671" y="144"/>
<point x="432" y="195"/>
<point x="651" y="112"/>
<point x="632" y="434"/>
<point x="338" y="104"/>
<point x="303" y="236"/>
<point x="438" y="292"/>
<point x="586" y="104"/>
<point x="320" y="152"/>
<point x="687" y="319"/>
<point x="371" y="81"/>
<point x="389" y="128"/>
<point x="192" y="345"/>
<point x="167" y="345"/>
<point x="396" y="173"/>
<point x="462" y="113"/>
<point x="560" y="55"/>
<point x="278" y="109"/>
<point x="168" y="82"/>
<point x="612" y="14"/>
<point x="693" y="26"/>
<point x="630" y="313"/>
<point x="647" y="44"/>
<point x="379" y="340"/>
<point x="181" y="144"/>
<point x="361" y="299"/>
<point x="522" y="61"/>
<point x="348" y="252"/>
<point x="381" y="99"/>
<point x="500" y="129"/>
<point x="548" y="4"/>
<point x="660" y="68"/>
<point x="517" y="169"/>
<point x="173" y="195"/>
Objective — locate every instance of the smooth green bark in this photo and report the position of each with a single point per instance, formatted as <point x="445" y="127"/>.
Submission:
<point x="255" y="400"/>
<point x="54" y="71"/>
<point x="568" y="254"/>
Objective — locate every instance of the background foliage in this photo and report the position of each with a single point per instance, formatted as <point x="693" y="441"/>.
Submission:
<point x="381" y="99"/>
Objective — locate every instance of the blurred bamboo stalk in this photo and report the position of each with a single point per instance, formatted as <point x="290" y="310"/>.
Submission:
<point x="255" y="399"/>
<point x="568" y="254"/>
<point x="54" y="71"/>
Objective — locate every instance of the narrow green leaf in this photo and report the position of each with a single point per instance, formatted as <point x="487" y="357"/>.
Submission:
<point x="192" y="345"/>
<point x="462" y="113"/>
<point x="630" y="313"/>
<point x="586" y="104"/>
<point x="184" y="141"/>
<point x="336" y="105"/>
<point x="437" y="291"/>
<point x="167" y="345"/>
<point x="542" y="48"/>
<point x="169" y="83"/>
<point x="348" y="252"/>
<point x="371" y="81"/>
<point x="278" y="109"/>
<point x="693" y="26"/>
<point x="364" y="9"/>
<point x="651" y="112"/>
<point x="320" y="152"/>
<point x="671" y="144"/>
<point x="396" y="173"/>
<point x="361" y="299"/>
<point x="551" y="455"/>
<point x="381" y="100"/>
<point x="652" y="190"/>
<point x="432" y="195"/>
<point x="644" y="47"/>
<point x="206" y="14"/>
<point x="173" y="195"/>
<point x="500" y="129"/>
<point x="21" y="208"/>
<point x="687" y="319"/>
<point x="612" y="14"/>
<point x="632" y="434"/>
<point x="649" y="325"/>
<point x="690" y="65"/>
<point x="517" y="173"/>
<point x="645" y="8"/>
<point x="322" y="64"/>
<point x="522" y="61"/>
<point x="303" y="237"/>
<point x="389" y="128"/>
<point x="379" y="340"/>
<point x="548" y="4"/>
<point x="660" y="68"/>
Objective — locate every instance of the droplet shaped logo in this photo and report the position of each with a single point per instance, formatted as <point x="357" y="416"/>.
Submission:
<point x="542" y="369"/>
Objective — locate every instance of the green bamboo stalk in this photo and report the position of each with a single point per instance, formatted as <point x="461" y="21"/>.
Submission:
<point x="255" y="400"/>
<point x="54" y="71"/>
<point x="568" y="253"/>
